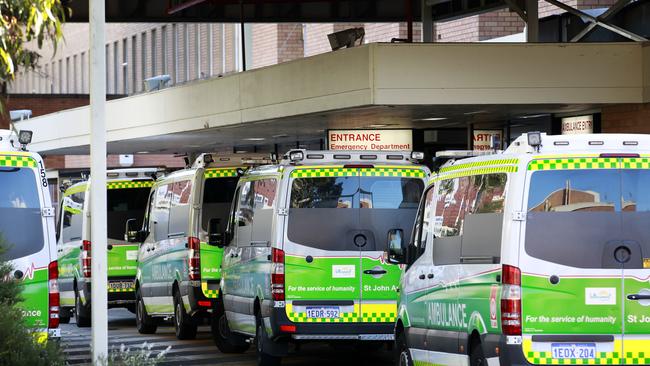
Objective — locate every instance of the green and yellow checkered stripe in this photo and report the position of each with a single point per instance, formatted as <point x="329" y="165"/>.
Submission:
<point x="220" y="172"/>
<point x="324" y="172"/>
<point x="480" y="164"/>
<point x="123" y="184"/>
<point x="637" y="352"/>
<point x="392" y="172"/>
<point x="573" y="163"/>
<point x="17" y="161"/>
<point x="466" y="173"/>
<point x="209" y="293"/>
<point x="635" y="163"/>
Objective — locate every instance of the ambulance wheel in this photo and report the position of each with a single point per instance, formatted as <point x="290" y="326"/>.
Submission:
<point x="225" y="340"/>
<point x="184" y="324"/>
<point x="476" y="356"/>
<point x="263" y="358"/>
<point x="144" y="323"/>
<point x="81" y="312"/>
<point x="402" y="351"/>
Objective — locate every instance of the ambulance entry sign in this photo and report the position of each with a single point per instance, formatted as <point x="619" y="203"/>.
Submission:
<point x="370" y="140"/>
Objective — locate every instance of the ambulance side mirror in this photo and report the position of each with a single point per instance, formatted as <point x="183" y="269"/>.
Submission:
<point x="214" y="236"/>
<point x="130" y="231"/>
<point x="396" y="246"/>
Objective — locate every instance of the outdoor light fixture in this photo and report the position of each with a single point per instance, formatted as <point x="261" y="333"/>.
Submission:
<point x="417" y="155"/>
<point x="346" y="38"/>
<point x="25" y="137"/>
<point x="295" y="156"/>
<point x="534" y="139"/>
<point x="20" y="114"/>
<point x="156" y="82"/>
<point x="207" y="158"/>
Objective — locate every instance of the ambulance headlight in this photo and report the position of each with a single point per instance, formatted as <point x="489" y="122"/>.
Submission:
<point x="296" y="156"/>
<point x="534" y="138"/>
<point x="25" y="137"/>
<point x="417" y="155"/>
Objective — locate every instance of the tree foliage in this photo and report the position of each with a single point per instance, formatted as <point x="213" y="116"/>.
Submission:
<point x="23" y="21"/>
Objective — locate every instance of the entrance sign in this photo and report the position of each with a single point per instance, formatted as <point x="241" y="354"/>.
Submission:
<point x="370" y="140"/>
<point x="578" y="125"/>
<point x="484" y="140"/>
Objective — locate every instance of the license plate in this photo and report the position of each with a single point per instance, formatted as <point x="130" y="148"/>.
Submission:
<point x="323" y="312"/>
<point x="122" y="285"/>
<point x="573" y="350"/>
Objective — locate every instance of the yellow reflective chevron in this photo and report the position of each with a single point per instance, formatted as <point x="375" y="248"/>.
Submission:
<point x="123" y="184"/>
<point x="220" y="172"/>
<point x="479" y="164"/>
<point x="18" y="161"/>
<point x="477" y="168"/>
<point x="209" y="293"/>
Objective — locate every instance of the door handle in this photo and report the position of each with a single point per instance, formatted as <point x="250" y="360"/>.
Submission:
<point x="430" y="276"/>
<point x="374" y="271"/>
<point x="637" y="297"/>
<point x="422" y="276"/>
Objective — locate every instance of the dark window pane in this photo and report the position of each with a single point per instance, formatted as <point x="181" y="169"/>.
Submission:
<point x="217" y="198"/>
<point x="21" y="226"/>
<point x="339" y="192"/>
<point x="124" y="204"/>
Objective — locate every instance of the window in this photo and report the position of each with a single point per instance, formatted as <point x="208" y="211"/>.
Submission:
<point x="72" y="217"/>
<point x="163" y="48"/>
<point x="217" y="198"/>
<point x="134" y="63"/>
<point x="423" y="229"/>
<point x="579" y="217"/>
<point x="264" y="201"/>
<point x="154" y="51"/>
<point x="325" y="212"/>
<point x="124" y="204"/>
<point x="143" y="52"/>
<point x="116" y="67"/>
<point x="160" y="212"/>
<point x="468" y="219"/>
<point x="21" y="227"/>
<point x="125" y="66"/>
<point x="179" y="220"/>
<point x="243" y="220"/>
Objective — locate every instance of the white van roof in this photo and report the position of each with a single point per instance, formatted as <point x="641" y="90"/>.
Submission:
<point x="602" y="143"/>
<point x="317" y="157"/>
<point x="7" y="140"/>
<point x="215" y="160"/>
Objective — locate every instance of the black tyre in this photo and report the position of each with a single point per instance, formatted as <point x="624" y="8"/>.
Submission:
<point x="476" y="356"/>
<point x="64" y="316"/>
<point x="144" y="323"/>
<point x="81" y="312"/>
<point x="402" y="354"/>
<point x="184" y="324"/>
<point x="225" y="340"/>
<point x="263" y="358"/>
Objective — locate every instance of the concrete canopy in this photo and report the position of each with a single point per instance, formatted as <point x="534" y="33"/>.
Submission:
<point x="375" y="86"/>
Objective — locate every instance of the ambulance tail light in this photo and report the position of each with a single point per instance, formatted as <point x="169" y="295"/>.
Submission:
<point x="511" y="300"/>
<point x="277" y="274"/>
<point x="53" y="290"/>
<point x="86" y="258"/>
<point x="194" y="261"/>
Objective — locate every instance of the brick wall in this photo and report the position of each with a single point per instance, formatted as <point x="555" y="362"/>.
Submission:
<point x="290" y="44"/>
<point x="265" y="45"/>
<point x="626" y="118"/>
<point x="44" y="104"/>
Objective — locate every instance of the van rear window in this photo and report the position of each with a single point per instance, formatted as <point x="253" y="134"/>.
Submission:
<point x="21" y="225"/>
<point x="327" y="212"/>
<point x="576" y="216"/>
<point x="124" y="204"/>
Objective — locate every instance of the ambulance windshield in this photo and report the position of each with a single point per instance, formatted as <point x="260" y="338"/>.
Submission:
<point x="575" y="216"/>
<point x="21" y="225"/>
